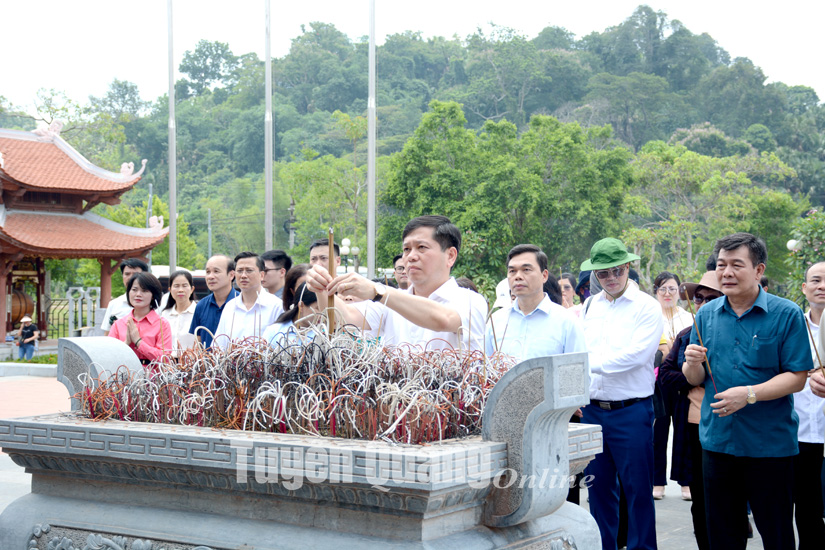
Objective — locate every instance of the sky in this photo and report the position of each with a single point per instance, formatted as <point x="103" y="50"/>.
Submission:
<point x="80" y="46"/>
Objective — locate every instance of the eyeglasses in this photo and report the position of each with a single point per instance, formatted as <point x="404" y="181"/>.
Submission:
<point x="699" y="299"/>
<point x="612" y="272"/>
<point x="268" y="269"/>
<point x="399" y="269"/>
<point x="667" y="290"/>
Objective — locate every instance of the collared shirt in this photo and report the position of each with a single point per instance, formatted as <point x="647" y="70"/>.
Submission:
<point x="238" y="323"/>
<point x="549" y="329"/>
<point x="622" y="338"/>
<point x="179" y="321"/>
<point x="118" y="307"/>
<point x="280" y="292"/>
<point x="768" y="339"/>
<point x="155" y="335"/>
<point x="207" y="316"/>
<point x="395" y="330"/>
<point x="808" y="406"/>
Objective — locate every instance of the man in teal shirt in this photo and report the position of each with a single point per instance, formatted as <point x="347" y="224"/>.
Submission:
<point x="756" y="345"/>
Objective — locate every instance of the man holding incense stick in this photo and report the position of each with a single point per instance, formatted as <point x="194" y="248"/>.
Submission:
<point x="434" y="313"/>
<point x="622" y="327"/>
<point x="751" y="350"/>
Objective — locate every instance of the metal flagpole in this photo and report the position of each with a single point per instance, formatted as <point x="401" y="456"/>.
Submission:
<point x="268" y="133"/>
<point x="371" y="150"/>
<point x="173" y="200"/>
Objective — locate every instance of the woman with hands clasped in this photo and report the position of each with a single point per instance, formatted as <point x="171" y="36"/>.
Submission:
<point x="143" y="329"/>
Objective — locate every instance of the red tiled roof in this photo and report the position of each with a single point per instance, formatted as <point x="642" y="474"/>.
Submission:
<point x="74" y="235"/>
<point x="44" y="165"/>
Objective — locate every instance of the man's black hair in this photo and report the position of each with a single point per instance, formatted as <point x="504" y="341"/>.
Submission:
<point x="325" y="242"/>
<point x="756" y="246"/>
<point x="149" y="282"/>
<point x="445" y="233"/>
<point x="541" y="257"/>
<point x="710" y="264"/>
<point x="395" y="260"/>
<point x="277" y="257"/>
<point x="552" y="288"/>
<point x="134" y="263"/>
<point x="258" y="260"/>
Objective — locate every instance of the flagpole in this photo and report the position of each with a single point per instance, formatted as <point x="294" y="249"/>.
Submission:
<point x="371" y="150"/>
<point x="268" y="136"/>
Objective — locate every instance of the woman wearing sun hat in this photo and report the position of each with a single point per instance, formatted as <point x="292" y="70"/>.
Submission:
<point x="623" y="327"/>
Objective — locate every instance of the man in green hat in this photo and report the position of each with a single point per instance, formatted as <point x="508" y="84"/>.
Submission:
<point x="622" y="328"/>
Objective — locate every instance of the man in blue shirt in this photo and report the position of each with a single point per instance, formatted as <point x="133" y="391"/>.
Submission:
<point x="756" y="345"/>
<point x="534" y="326"/>
<point x="220" y="272"/>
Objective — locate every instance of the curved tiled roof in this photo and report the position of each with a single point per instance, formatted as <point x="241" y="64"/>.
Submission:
<point x="49" y="163"/>
<point x="73" y="235"/>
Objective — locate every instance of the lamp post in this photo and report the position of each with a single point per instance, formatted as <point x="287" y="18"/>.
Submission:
<point x="355" y="252"/>
<point x="345" y="250"/>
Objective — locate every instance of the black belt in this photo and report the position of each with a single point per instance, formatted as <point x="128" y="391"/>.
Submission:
<point x="613" y="405"/>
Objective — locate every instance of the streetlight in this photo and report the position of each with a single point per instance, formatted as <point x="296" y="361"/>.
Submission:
<point x="345" y="243"/>
<point x="355" y="252"/>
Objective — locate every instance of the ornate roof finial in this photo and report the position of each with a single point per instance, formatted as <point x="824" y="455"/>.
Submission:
<point x="127" y="169"/>
<point x="51" y="132"/>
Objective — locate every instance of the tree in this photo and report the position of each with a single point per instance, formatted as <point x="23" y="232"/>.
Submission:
<point x="210" y="62"/>
<point x="809" y="233"/>
<point x="122" y="101"/>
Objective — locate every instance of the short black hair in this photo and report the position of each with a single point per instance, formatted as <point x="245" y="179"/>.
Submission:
<point x="764" y="282"/>
<point x="134" y="263"/>
<point x="665" y="276"/>
<point x="277" y="257"/>
<point x="395" y="260"/>
<point x="756" y="246"/>
<point x="258" y="260"/>
<point x="147" y="281"/>
<point x="541" y="257"/>
<point x="710" y="264"/>
<point x="445" y="233"/>
<point x="465" y="282"/>
<point x="325" y="242"/>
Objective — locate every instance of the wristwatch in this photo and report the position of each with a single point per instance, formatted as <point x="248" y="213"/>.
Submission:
<point x="751" y="396"/>
<point x="380" y="292"/>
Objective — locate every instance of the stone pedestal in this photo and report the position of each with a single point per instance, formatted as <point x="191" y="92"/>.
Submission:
<point x="136" y="486"/>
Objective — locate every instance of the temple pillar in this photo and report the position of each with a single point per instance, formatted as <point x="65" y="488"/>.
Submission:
<point x="42" y="320"/>
<point x="6" y="265"/>
<point x="106" y="270"/>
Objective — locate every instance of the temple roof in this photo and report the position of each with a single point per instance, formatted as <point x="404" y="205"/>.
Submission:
<point x="65" y="235"/>
<point x="44" y="161"/>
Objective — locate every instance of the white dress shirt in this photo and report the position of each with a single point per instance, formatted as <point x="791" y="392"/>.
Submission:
<point x="622" y="338"/>
<point x="808" y="406"/>
<point x="395" y="330"/>
<point x="117" y="307"/>
<point x="549" y="329"/>
<point x="237" y="322"/>
<point x="179" y="322"/>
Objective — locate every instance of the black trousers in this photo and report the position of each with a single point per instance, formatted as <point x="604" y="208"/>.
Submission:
<point x="697" y="490"/>
<point x="731" y="482"/>
<point x="807" y="497"/>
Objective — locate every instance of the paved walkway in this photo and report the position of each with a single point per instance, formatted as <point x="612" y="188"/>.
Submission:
<point x="29" y="395"/>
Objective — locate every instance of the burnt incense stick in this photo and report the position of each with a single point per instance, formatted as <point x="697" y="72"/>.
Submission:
<point x="331" y="297"/>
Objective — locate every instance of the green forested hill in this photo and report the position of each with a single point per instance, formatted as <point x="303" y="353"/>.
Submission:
<point x="558" y="140"/>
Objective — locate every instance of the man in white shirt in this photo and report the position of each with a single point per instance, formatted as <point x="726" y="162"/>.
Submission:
<point x="534" y="326"/>
<point x="622" y="326"/>
<point x="807" y="465"/>
<point x="118" y="307"/>
<point x="254" y="309"/>
<point x="434" y="313"/>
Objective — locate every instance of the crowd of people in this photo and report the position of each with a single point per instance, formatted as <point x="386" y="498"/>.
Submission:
<point x="733" y="369"/>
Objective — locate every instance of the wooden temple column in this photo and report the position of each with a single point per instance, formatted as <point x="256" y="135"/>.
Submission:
<point x="42" y="320"/>
<point x="6" y="265"/>
<point x="107" y="268"/>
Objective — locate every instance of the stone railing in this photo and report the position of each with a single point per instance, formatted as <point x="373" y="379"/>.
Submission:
<point x="133" y="486"/>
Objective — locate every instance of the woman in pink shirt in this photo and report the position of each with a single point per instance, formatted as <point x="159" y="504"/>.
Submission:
<point x="143" y="330"/>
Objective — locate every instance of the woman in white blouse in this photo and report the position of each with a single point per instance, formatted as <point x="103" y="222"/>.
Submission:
<point x="180" y="308"/>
